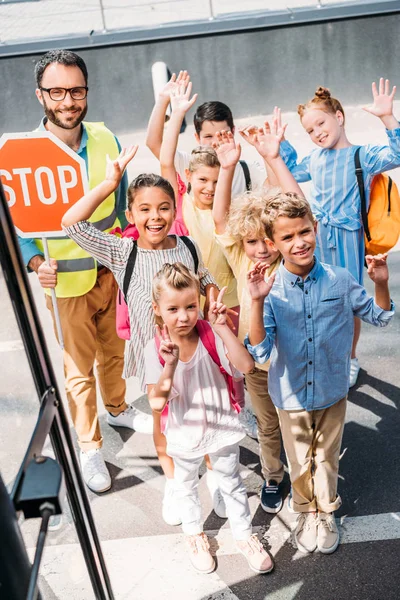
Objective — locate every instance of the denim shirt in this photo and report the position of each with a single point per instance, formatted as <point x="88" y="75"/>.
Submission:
<point x="308" y="335"/>
<point x="28" y="246"/>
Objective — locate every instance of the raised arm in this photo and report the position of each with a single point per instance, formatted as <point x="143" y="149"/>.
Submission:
<point x="217" y="317"/>
<point x="267" y="143"/>
<point x="85" y="207"/>
<point x="158" y="393"/>
<point x="383" y="104"/>
<point x="248" y="133"/>
<point x="155" y="127"/>
<point x="180" y="104"/>
<point x="379" y="273"/>
<point x="258" y="289"/>
<point x="228" y="155"/>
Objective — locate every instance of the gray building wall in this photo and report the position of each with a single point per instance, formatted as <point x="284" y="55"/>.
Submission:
<point x="251" y="71"/>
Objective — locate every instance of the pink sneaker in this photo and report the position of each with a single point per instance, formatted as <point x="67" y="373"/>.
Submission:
<point x="259" y="560"/>
<point x="199" y="553"/>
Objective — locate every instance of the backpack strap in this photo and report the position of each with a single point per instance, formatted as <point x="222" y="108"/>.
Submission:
<point x="246" y="173"/>
<point x="360" y="181"/>
<point x="208" y="340"/>
<point x="129" y="268"/>
<point x="390" y="183"/>
<point x="192" y="249"/>
<point x="164" y="414"/>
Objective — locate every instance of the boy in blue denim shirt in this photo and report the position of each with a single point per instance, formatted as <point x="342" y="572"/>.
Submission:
<point x="302" y="319"/>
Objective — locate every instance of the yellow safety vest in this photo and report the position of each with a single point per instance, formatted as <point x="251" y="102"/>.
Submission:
<point x="77" y="270"/>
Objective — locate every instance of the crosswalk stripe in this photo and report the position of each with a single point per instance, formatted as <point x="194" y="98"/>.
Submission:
<point x="11" y="346"/>
<point x="159" y="567"/>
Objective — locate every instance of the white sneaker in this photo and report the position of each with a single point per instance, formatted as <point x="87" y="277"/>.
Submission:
<point x="248" y="421"/>
<point x="217" y="499"/>
<point x="132" y="418"/>
<point x="354" y="371"/>
<point x="94" y="471"/>
<point x="170" y="510"/>
<point x="55" y="523"/>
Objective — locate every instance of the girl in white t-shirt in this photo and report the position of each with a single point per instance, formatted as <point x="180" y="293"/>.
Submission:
<point x="181" y="373"/>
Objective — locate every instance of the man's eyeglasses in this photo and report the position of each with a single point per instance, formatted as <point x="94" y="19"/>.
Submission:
<point x="58" y="94"/>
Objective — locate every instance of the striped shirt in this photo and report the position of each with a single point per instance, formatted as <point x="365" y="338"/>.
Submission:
<point x="113" y="252"/>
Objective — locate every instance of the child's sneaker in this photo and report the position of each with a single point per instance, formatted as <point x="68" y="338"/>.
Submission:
<point x="199" y="553"/>
<point x="354" y="371"/>
<point x="259" y="560"/>
<point x="290" y="504"/>
<point x="328" y="533"/>
<point x="305" y="533"/>
<point x="248" y="421"/>
<point x="217" y="499"/>
<point x="132" y="418"/>
<point x="271" y="496"/>
<point x="170" y="509"/>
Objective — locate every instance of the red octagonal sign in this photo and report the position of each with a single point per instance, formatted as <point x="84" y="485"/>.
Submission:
<point x="42" y="177"/>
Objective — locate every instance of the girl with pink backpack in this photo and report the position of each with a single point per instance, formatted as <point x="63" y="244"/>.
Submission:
<point x="151" y="208"/>
<point x="189" y="367"/>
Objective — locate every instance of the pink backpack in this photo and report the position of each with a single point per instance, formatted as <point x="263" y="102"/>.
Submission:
<point x="178" y="228"/>
<point x="208" y="340"/>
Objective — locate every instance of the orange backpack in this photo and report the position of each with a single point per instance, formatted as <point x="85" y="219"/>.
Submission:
<point x="382" y="221"/>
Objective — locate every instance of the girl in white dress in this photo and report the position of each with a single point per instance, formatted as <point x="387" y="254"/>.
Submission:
<point x="181" y="373"/>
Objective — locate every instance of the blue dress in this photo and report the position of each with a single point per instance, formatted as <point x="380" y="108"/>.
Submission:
<point x="335" y="197"/>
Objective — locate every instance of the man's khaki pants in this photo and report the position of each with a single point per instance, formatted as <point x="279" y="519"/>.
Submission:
<point x="89" y="331"/>
<point x="269" y="435"/>
<point x="312" y="442"/>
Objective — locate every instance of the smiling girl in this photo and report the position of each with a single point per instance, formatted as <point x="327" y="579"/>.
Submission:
<point x="151" y="207"/>
<point x="335" y="197"/>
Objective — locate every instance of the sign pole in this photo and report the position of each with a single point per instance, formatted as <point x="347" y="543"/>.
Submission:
<point x="54" y="298"/>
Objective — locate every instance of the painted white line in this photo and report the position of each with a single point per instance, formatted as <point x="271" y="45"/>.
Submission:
<point x="157" y="567"/>
<point x="372" y="528"/>
<point x="11" y="346"/>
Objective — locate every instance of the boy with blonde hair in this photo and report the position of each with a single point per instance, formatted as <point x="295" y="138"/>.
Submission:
<point x="241" y="233"/>
<point x="302" y="319"/>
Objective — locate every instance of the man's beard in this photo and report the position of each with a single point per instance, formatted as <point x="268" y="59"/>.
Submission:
<point x="70" y="122"/>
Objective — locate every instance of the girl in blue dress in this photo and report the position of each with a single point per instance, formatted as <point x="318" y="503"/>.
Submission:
<point x="335" y="197"/>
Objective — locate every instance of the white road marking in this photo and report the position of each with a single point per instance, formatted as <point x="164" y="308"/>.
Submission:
<point x="157" y="567"/>
<point x="372" y="528"/>
<point x="11" y="346"/>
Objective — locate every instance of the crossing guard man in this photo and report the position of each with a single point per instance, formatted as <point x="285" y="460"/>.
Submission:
<point x="86" y="291"/>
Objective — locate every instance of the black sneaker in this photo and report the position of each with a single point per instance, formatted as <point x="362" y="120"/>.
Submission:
<point x="271" y="496"/>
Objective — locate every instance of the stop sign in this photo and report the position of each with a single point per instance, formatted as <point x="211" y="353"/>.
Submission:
<point x="42" y="177"/>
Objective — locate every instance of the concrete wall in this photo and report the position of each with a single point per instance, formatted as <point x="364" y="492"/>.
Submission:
<point x="251" y="71"/>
